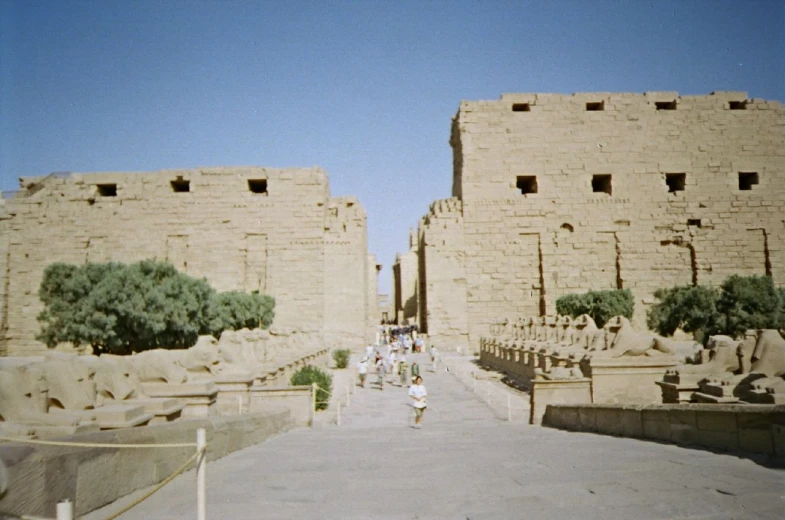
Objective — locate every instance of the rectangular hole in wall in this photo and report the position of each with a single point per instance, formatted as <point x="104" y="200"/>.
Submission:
<point x="694" y="222"/>
<point x="601" y="184"/>
<point x="521" y="107"/>
<point x="665" y="105"/>
<point x="527" y="184"/>
<point x="257" y="185"/>
<point x="737" y="105"/>
<point x="180" y="186"/>
<point x="747" y="180"/>
<point x="595" y="106"/>
<point x="675" y="181"/>
<point x="107" y="190"/>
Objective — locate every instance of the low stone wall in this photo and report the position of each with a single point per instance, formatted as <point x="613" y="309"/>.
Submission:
<point x="755" y="429"/>
<point x="40" y="476"/>
<point x="545" y="393"/>
<point x="296" y="399"/>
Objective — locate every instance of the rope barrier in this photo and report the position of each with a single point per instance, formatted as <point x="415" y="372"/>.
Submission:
<point x="97" y="444"/>
<point x="158" y="486"/>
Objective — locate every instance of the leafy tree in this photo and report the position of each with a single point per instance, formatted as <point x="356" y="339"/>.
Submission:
<point x="751" y="302"/>
<point x="311" y="374"/>
<point x="741" y="303"/>
<point x="233" y="310"/>
<point x="692" y="309"/>
<point x="120" y="309"/>
<point x="600" y="305"/>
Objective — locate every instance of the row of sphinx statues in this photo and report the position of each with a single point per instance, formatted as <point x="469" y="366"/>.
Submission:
<point x="561" y="347"/>
<point x="748" y="370"/>
<point x="64" y="394"/>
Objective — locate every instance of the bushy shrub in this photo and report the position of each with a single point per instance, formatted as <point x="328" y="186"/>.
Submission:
<point x="600" y="305"/>
<point x="691" y="309"/>
<point x="750" y="302"/>
<point x="341" y="357"/>
<point x="309" y="375"/>
<point x="120" y="309"/>
<point x="741" y="303"/>
<point x="233" y="310"/>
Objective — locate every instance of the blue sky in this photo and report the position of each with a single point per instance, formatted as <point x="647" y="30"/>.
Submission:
<point x="364" y="89"/>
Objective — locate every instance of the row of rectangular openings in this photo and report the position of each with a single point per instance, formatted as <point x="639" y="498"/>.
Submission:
<point x="599" y="106"/>
<point x="603" y="183"/>
<point x="182" y="186"/>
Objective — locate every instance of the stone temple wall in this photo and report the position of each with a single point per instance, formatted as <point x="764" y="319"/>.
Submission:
<point x="372" y="297"/>
<point x="4" y="226"/>
<point x="346" y="251"/>
<point x="558" y="194"/>
<point x="243" y="228"/>
<point x="405" y="282"/>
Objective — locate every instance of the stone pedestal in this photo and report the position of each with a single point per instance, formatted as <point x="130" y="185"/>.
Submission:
<point x="112" y="416"/>
<point x="674" y="393"/>
<point x="233" y="394"/>
<point x="199" y="397"/>
<point x="628" y="379"/>
<point x="566" y="391"/>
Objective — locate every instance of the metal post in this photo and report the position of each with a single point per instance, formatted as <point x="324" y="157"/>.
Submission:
<point x="65" y="510"/>
<point x="338" y="417"/>
<point x="201" y="482"/>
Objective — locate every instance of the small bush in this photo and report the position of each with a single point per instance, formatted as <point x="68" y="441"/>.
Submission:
<point x="309" y="375"/>
<point x="341" y="357"/>
<point x="600" y="305"/>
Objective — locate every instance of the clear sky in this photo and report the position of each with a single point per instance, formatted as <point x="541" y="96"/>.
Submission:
<point x="364" y="89"/>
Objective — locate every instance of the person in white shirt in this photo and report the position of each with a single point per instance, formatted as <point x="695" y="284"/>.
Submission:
<point x="418" y="393"/>
<point x="380" y="371"/>
<point x="362" y="371"/>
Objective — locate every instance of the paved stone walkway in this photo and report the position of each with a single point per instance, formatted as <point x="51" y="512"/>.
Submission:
<point x="466" y="463"/>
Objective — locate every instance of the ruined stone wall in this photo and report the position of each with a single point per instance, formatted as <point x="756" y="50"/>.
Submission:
<point x="405" y="282"/>
<point x="345" y="290"/>
<point x="372" y="298"/>
<point x="243" y="228"/>
<point x="4" y="220"/>
<point x="567" y="193"/>
<point x="443" y="256"/>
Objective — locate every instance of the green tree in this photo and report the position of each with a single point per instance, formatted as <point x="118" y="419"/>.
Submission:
<point x="691" y="309"/>
<point x="750" y="302"/>
<point x="600" y="305"/>
<point x="120" y="309"/>
<point x="741" y="303"/>
<point x="233" y="310"/>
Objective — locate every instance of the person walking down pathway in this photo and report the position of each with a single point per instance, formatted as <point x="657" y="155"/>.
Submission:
<point x="466" y="463"/>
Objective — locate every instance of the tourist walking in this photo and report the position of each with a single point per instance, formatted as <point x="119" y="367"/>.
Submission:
<point x="380" y="372"/>
<point x="362" y="371"/>
<point x="403" y="371"/>
<point x="418" y="393"/>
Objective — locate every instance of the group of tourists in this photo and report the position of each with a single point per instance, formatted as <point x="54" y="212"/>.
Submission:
<point x="388" y="359"/>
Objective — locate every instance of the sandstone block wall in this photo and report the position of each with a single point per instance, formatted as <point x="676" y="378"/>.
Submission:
<point x="346" y="252"/>
<point x="372" y="298"/>
<point x="405" y="284"/>
<point x="556" y="194"/>
<point x="243" y="228"/>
